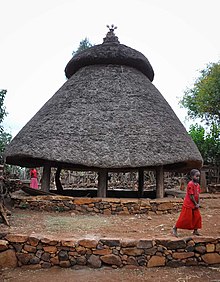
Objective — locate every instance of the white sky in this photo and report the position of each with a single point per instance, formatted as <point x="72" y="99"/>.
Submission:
<point x="178" y="37"/>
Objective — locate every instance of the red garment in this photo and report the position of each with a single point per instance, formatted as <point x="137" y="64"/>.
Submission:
<point x="33" y="173"/>
<point x="192" y="189"/>
<point x="189" y="219"/>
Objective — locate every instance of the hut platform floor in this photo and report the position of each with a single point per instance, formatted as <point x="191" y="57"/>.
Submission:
<point x="69" y="224"/>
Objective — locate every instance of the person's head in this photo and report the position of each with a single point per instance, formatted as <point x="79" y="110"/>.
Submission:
<point x="195" y="175"/>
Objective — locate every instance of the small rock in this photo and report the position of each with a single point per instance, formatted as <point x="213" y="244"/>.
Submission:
<point x="132" y="251"/>
<point x="144" y="244"/>
<point x="8" y="259"/>
<point x="132" y="261"/>
<point x="45" y="257"/>
<point x="16" y="238"/>
<point x="210" y="248"/>
<point x="200" y="249"/>
<point x="156" y="261"/>
<point x="29" y="249"/>
<point x="102" y="252"/>
<point x="87" y="243"/>
<point x="211" y="258"/>
<point x="55" y="260"/>
<point x="110" y="242"/>
<point x="34" y="260"/>
<point x="65" y="263"/>
<point x="81" y="260"/>
<point x="94" y="261"/>
<point x="50" y="249"/>
<point x="46" y="264"/>
<point x="111" y="259"/>
<point x="3" y="245"/>
<point x="63" y="255"/>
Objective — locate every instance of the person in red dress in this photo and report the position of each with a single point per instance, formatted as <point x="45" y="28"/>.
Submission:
<point x="34" y="182"/>
<point x="190" y="217"/>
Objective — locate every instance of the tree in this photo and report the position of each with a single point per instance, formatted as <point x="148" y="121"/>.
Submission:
<point x="208" y="142"/>
<point x="83" y="45"/>
<point x="5" y="137"/>
<point x="203" y="99"/>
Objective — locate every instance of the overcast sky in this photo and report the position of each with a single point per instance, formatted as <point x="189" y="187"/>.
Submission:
<point x="178" y="37"/>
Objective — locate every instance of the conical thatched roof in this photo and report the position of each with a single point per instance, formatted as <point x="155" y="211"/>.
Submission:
<point x="108" y="114"/>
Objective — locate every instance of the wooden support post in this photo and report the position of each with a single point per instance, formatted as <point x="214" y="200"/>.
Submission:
<point x="159" y="182"/>
<point x="45" y="181"/>
<point x="140" y="182"/>
<point x="57" y="180"/>
<point x="102" y="183"/>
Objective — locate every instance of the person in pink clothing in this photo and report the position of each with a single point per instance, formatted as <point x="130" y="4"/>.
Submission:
<point x="34" y="182"/>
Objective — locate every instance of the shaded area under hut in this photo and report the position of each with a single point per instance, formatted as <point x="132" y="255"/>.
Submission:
<point x="107" y="117"/>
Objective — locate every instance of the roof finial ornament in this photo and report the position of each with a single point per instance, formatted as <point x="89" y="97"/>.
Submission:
<point x="112" y="28"/>
<point x="110" y="36"/>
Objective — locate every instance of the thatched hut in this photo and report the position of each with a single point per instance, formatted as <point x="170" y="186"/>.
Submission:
<point x="108" y="116"/>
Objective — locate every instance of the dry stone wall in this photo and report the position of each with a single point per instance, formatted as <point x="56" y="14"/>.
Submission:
<point x="44" y="252"/>
<point x="99" y="205"/>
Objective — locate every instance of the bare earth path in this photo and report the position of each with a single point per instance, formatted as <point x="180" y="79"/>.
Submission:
<point x="84" y="274"/>
<point x="68" y="224"/>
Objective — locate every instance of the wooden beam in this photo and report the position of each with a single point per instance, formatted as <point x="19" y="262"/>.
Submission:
<point x="102" y="183"/>
<point x="45" y="181"/>
<point x="140" y="182"/>
<point x="159" y="182"/>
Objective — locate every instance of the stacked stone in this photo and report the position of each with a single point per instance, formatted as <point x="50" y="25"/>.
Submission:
<point x="105" y="206"/>
<point x="19" y="250"/>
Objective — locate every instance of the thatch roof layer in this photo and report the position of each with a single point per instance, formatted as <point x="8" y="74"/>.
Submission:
<point x="110" y="53"/>
<point x="105" y="116"/>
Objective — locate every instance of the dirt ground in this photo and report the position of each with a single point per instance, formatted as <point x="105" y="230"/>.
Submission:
<point x="67" y="224"/>
<point x="85" y="274"/>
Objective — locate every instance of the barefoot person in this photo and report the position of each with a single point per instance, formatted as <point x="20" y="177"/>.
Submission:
<point x="190" y="217"/>
<point x="34" y="182"/>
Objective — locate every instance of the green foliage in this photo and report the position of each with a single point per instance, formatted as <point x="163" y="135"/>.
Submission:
<point x="3" y="112"/>
<point x="83" y="45"/>
<point x="208" y="142"/>
<point x="203" y="100"/>
<point x="5" y="137"/>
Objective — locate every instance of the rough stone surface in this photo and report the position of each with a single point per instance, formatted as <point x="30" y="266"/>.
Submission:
<point x="111" y="259"/>
<point x="16" y="238"/>
<point x="110" y="242"/>
<point x="102" y="252"/>
<point x="132" y="251"/>
<point x="65" y="263"/>
<point x="29" y="248"/>
<point x="94" y="261"/>
<point x="50" y="249"/>
<point x="3" y="245"/>
<point x="200" y="249"/>
<point x="211" y="258"/>
<point x="183" y="255"/>
<point x="63" y="255"/>
<point x="176" y="244"/>
<point x="8" y="259"/>
<point x="156" y="261"/>
<point x="210" y="248"/>
<point x="145" y="244"/>
<point x="87" y="243"/>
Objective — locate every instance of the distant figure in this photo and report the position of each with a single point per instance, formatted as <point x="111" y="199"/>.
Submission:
<point x="190" y="217"/>
<point x="34" y="182"/>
